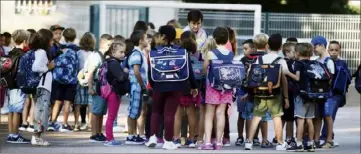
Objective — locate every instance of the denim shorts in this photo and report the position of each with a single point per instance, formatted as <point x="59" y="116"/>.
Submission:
<point x="16" y="100"/>
<point x="329" y="107"/>
<point x="248" y="112"/>
<point x="99" y="106"/>
<point x="304" y="109"/>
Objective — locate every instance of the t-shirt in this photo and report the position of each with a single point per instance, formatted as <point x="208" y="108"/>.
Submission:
<point x="138" y="58"/>
<point x="40" y="65"/>
<point x="221" y="48"/>
<point x="270" y="57"/>
<point x="201" y="37"/>
<point x="92" y="63"/>
<point x="83" y="56"/>
<point x="7" y="49"/>
<point x="330" y="64"/>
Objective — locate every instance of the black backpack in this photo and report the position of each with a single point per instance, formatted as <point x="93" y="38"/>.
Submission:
<point x="8" y="77"/>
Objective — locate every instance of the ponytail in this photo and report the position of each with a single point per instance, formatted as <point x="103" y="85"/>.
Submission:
<point x="129" y="46"/>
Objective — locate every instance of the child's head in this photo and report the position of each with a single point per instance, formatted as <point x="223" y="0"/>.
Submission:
<point x="140" y="25"/>
<point x="195" y="19"/>
<point x="220" y="34"/>
<point x="292" y="40"/>
<point x="232" y="39"/>
<point x="174" y="23"/>
<point x="334" y="49"/>
<point x="303" y="50"/>
<point x="2" y="40"/>
<point x="275" y="42"/>
<point x="57" y="30"/>
<point x="188" y="41"/>
<point x="43" y="39"/>
<point x="117" y="50"/>
<point x="260" y="41"/>
<point x="169" y="33"/>
<point x="69" y="35"/>
<point x="210" y="45"/>
<point x="21" y="37"/>
<point x="139" y="38"/>
<point x="31" y="31"/>
<point x="119" y="39"/>
<point x="319" y="43"/>
<point x="105" y="41"/>
<point x="7" y="38"/>
<point x="87" y="42"/>
<point x="248" y="47"/>
<point x="157" y="40"/>
<point x="288" y="50"/>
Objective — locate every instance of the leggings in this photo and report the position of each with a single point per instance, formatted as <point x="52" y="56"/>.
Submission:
<point x="41" y="114"/>
<point x="148" y="123"/>
<point x="113" y="101"/>
<point x="165" y="103"/>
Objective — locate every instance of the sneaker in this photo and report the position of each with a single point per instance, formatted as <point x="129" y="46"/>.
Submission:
<point x="112" y="143"/>
<point x="336" y="144"/>
<point x="83" y="127"/>
<point x="97" y="138"/>
<point x="291" y="141"/>
<point x="266" y="144"/>
<point x="152" y="142"/>
<point x="30" y="129"/>
<point x="9" y="139"/>
<point x="190" y="144"/>
<point x="65" y="129"/>
<point x="169" y="145"/>
<point x="310" y="148"/>
<point x="23" y="127"/>
<point x="248" y="145"/>
<point x="135" y="140"/>
<point x="178" y="143"/>
<point x="183" y="141"/>
<point x="39" y="142"/>
<point x="328" y="145"/>
<point x="102" y="137"/>
<point x="19" y="140"/>
<point x="76" y="128"/>
<point x="213" y="140"/>
<point x="199" y="145"/>
<point x="318" y="145"/>
<point x="294" y="148"/>
<point x="240" y="141"/>
<point x="51" y="127"/>
<point x="281" y="147"/>
<point x="206" y="146"/>
<point x="226" y="142"/>
<point x="217" y="146"/>
<point x="274" y="141"/>
<point x="256" y="142"/>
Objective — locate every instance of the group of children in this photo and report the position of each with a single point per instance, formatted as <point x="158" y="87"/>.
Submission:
<point x="166" y="75"/>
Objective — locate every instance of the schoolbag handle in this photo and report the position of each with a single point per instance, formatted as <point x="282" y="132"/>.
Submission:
<point x="276" y="60"/>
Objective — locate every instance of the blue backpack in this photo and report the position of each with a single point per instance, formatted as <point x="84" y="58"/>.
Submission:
<point x="26" y="79"/>
<point x="341" y="78"/>
<point x="225" y="74"/>
<point x="197" y="65"/>
<point x="358" y="79"/>
<point x="66" y="66"/>
<point x="169" y="64"/>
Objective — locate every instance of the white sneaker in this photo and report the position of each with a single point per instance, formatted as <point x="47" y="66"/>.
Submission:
<point x="248" y="146"/>
<point x="152" y="142"/>
<point x="322" y="142"/>
<point x="169" y="145"/>
<point x="84" y="127"/>
<point x="39" y="142"/>
<point x="30" y="129"/>
<point x="336" y="144"/>
<point x="282" y="147"/>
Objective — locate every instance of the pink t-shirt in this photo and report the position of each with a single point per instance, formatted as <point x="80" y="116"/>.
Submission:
<point x="229" y="46"/>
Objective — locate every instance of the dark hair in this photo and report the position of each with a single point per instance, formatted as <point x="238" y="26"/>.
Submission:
<point x="7" y="35"/>
<point x="250" y="42"/>
<point x="220" y="34"/>
<point x="129" y="46"/>
<point x="106" y="37"/>
<point x="69" y="34"/>
<point x="292" y="39"/>
<point x="232" y="39"/>
<point x="119" y="38"/>
<point x="275" y="42"/>
<point x="41" y="40"/>
<point x="335" y="42"/>
<point x="140" y="25"/>
<point x="188" y="41"/>
<point x="136" y="36"/>
<point x="1" y="35"/>
<point x="286" y="48"/>
<point x="151" y="25"/>
<point x="304" y="49"/>
<point x="32" y="31"/>
<point x="169" y="32"/>
<point x="87" y="42"/>
<point x="195" y="16"/>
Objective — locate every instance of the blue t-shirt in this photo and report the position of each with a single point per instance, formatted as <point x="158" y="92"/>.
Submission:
<point x="137" y="58"/>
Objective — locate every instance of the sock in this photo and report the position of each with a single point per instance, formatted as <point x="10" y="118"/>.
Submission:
<point x="309" y="143"/>
<point x="10" y="135"/>
<point x="142" y="136"/>
<point x="299" y="143"/>
<point x="130" y="136"/>
<point x="15" y="135"/>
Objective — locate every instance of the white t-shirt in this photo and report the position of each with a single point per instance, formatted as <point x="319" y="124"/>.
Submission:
<point x="83" y="56"/>
<point x="270" y="57"/>
<point x="7" y="49"/>
<point x="221" y="48"/>
<point x="40" y="65"/>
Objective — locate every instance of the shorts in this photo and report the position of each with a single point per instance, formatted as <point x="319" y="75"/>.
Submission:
<point x="329" y="107"/>
<point x="63" y="92"/>
<point x="82" y="96"/>
<point x="135" y="101"/>
<point x="16" y="100"/>
<point x="273" y="105"/>
<point x="99" y="106"/>
<point x="216" y="97"/>
<point x="304" y="109"/>
<point x="289" y="114"/>
<point x="247" y="114"/>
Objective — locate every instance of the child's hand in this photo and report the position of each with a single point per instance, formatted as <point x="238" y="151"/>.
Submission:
<point x="194" y="92"/>
<point x="126" y="70"/>
<point x="287" y="104"/>
<point x="244" y="98"/>
<point x="91" y="91"/>
<point x="51" y="65"/>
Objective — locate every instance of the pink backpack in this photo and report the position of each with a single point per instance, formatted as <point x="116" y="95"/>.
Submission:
<point x="105" y="88"/>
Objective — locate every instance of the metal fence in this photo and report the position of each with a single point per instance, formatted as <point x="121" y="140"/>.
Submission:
<point x="343" y="28"/>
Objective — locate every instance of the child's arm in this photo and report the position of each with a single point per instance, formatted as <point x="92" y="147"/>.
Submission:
<point x="40" y="64"/>
<point x="295" y="77"/>
<point x="285" y="90"/>
<point x="118" y="75"/>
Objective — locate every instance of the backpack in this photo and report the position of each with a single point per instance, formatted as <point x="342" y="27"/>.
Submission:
<point x="169" y="64"/>
<point x="66" y="69"/>
<point x="126" y="64"/>
<point x="225" y="74"/>
<point x="341" y="79"/>
<point x="26" y="79"/>
<point x="9" y="68"/>
<point x="358" y="80"/>
<point x="315" y="81"/>
<point x="197" y="65"/>
<point x="293" y="85"/>
<point x="264" y="80"/>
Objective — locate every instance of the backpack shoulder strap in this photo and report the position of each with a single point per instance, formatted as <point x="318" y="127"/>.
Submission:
<point x="101" y="55"/>
<point x="260" y="60"/>
<point x="276" y="60"/>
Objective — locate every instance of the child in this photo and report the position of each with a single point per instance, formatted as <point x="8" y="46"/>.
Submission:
<point x="215" y="101"/>
<point x="330" y="106"/>
<point x="116" y="77"/>
<point x="82" y="97"/>
<point x="57" y="31"/>
<point x="303" y="109"/>
<point x="137" y="65"/>
<point x="41" y="44"/>
<point x="99" y="107"/>
<point x="65" y="79"/>
<point x="274" y="105"/>
<point x="288" y="50"/>
<point x="16" y="97"/>
<point x="195" y="21"/>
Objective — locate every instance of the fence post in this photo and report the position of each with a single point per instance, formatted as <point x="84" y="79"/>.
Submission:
<point x="266" y="23"/>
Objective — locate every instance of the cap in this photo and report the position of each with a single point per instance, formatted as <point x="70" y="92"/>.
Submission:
<point x="178" y="32"/>
<point x="55" y="27"/>
<point x="319" y="40"/>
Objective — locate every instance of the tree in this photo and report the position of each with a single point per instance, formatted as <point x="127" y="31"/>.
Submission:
<point x="293" y="6"/>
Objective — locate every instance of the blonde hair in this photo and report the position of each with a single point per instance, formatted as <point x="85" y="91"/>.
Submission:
<point x="210" y="45"/>
<point x="20" y="35"/>
<point x="260" y="41"/>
